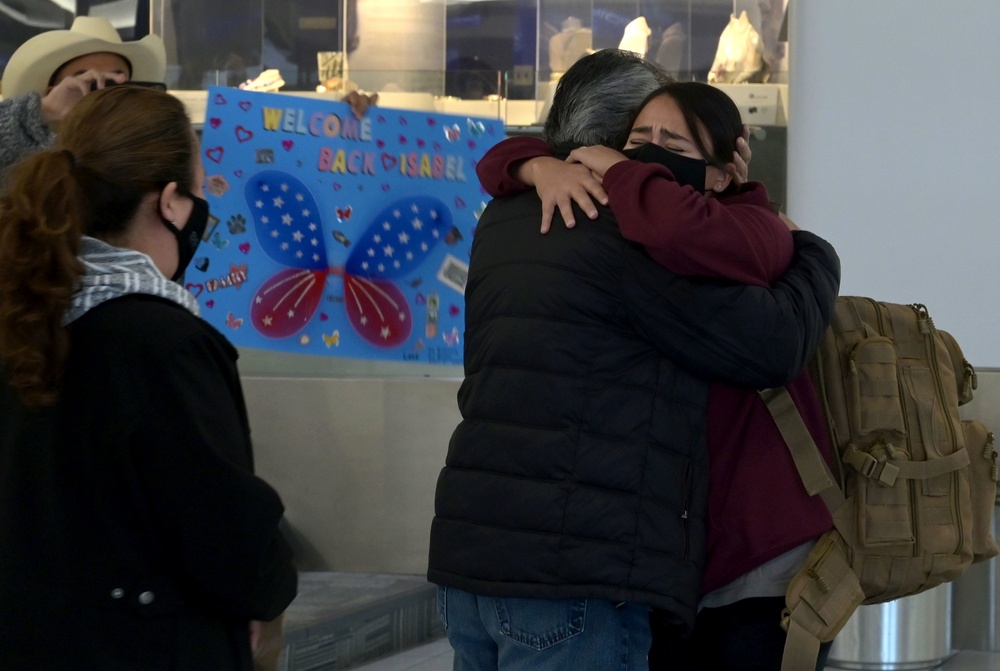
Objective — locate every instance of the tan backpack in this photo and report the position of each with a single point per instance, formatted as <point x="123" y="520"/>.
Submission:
<point x="913" y="496"/>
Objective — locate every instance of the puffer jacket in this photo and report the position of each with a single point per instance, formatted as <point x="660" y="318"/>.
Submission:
<point x="580" y="469"/>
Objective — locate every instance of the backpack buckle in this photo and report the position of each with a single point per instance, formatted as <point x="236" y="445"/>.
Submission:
<point x="879" y="470"/>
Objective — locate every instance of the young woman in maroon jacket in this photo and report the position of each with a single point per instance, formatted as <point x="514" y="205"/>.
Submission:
<point x="680" y="200"/>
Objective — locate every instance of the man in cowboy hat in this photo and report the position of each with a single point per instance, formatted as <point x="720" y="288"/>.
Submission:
<point x="50" y="72"/>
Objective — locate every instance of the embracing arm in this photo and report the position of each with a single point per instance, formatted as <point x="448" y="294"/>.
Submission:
<point x="743" y="335"/>
<point x="497" y="168"/>
<point x="736" y="237"/>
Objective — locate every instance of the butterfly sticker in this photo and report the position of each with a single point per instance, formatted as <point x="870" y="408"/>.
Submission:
<point x="453" y="133"/>
<point x="451" y="337"/>
<point x="476" y="128"/>
<point x="332" y="340"/>
<point x="344" y="214"/>
<point x="232" y="322"/>
<point x="218" y="241"/>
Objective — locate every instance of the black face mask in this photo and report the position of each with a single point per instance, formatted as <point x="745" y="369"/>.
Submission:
<point x="687" y="171"/>
<point x="189" y="238"/>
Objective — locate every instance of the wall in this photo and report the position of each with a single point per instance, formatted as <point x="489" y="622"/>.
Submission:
<point x="891" y="116"/>
<point x="355" y="461"/>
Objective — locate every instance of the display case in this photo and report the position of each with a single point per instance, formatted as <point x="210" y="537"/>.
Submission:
<point x="503" y="55"/>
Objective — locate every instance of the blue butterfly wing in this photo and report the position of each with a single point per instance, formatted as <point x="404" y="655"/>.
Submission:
<point x="287" y="220"/>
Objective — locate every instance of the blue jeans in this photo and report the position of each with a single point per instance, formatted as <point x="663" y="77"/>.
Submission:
<point x="505" y="634"/>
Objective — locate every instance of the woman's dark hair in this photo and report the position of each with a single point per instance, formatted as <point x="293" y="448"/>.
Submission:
<point x="115" y="146"/>
<point x="705" y="108"/>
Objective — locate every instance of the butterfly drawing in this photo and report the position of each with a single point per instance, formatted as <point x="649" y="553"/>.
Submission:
<point x="398" y="239"/>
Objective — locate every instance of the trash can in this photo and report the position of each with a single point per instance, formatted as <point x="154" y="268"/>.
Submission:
<point x="903" y="635"/>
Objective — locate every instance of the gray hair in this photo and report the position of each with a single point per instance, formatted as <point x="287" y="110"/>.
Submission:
<point x="597" y="97"/>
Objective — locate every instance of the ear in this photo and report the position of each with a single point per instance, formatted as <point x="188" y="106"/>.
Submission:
<point x="717" y="179"/>
<point x="169" y="201"/>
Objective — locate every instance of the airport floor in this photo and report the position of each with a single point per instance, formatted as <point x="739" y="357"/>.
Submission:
<point x="436" y="656"/>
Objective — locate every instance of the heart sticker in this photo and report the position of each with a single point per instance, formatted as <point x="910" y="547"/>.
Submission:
<point x="215" y="154"/>
<point x="243" y="134"/>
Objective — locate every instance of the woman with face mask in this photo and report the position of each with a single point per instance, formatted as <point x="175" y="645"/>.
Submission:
<point x="135" y="535"/>
<point x="679" y="199"/>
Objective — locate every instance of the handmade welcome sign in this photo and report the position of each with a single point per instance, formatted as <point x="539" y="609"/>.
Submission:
<point x="334" y="235"/>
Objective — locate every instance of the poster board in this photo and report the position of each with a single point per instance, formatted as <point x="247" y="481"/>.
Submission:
<point x="338" y="236"/>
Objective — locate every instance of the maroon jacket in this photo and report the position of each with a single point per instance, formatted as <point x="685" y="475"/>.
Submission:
<point x="735" y="236"/>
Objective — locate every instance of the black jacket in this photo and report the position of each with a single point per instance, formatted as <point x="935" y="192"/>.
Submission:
<point x="133" y="534"/>
<point x="579" y="469"/>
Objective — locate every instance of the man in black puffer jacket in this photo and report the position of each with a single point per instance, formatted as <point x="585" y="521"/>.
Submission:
<point x="574" y="493"/>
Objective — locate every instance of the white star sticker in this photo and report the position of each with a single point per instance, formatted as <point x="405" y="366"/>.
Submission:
<point x="299" y="197"/>
<point x="274" y="233"/>
<point x="436" y="233"/>
<point x="315" y="257"/>
<point x="291" y="313"/>
<point x="434" y="214"/>
<point x="388" y="250"/>
<point x="371" y="252"/>
<point x="396" y="214"/>
<point x="381" y="267"/>
<point x="402" y="316"/>
<point x="259" y="204"/>
<point x="279" y="202"/>
<point x="396" y="264"/>
<point x="387" y="226"/>
<point x="259" y="300"/>
<point x="305" y="213"/>
<point x="267" y="320"/>
<point x="364" y="320"/>
<point x="286" y="219"/>
<point x="385" y="333"/>
<point x="364" y="265"/>
<point x="265" y="187"/>
<point x="265" y="220"/>
<point x="314" y="242"/>
<point x="297" y="236"/>
<point x="377" y="238"/>
<point x="403" y="238"/>
<point x="284" y="246"/>
<point x="414" y="208"/>
<point x="423" y="246"/>
<point x="417" y="224"/>
<point x="284" y="187"/>
<point x="312" y="226"/>
<point x="298" y="254"/>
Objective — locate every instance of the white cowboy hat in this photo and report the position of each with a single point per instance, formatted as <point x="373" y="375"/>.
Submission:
<point x="31" y="67"/>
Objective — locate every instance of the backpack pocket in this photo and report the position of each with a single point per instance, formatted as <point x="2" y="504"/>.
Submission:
<point x="874" y="405"/>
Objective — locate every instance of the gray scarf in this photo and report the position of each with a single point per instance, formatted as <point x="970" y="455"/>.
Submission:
<point x="111" y="272"/>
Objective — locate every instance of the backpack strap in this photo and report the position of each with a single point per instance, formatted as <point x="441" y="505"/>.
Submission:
<point x="813" y="469"/>
<point x="886" y="472"/>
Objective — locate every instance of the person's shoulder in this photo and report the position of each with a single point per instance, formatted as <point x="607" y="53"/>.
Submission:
<point x="148" y="322"/>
